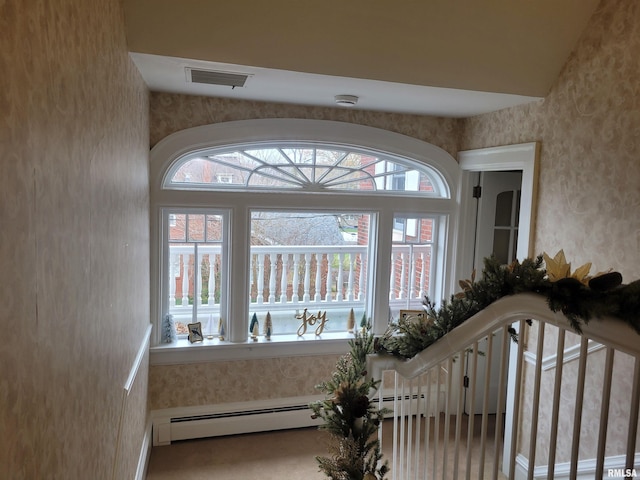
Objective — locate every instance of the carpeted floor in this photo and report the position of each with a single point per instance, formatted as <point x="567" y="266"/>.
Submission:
<point x="280" y="455"/>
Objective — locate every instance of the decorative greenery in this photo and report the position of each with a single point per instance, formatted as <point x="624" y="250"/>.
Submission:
<point x="350" y="418"/>
<point x="577" y="295"/>
<point x="348" y="415"/>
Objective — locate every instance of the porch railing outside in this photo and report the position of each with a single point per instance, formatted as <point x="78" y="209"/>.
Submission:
<point x="290" y="278"/>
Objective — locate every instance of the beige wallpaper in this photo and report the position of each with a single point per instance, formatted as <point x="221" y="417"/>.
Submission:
<point x="237" y="381"/>
<point x="73" y="239"/>
<point x="589" y="192"/>
<point x="170" y="113"/>
<point x="589" y="129"/>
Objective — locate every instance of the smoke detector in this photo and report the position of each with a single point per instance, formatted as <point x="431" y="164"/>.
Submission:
<point x="346" y="100"/>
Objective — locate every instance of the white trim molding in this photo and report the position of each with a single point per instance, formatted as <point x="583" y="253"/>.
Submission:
<point x="570" y="353"/>
<point x="586" y="469"/>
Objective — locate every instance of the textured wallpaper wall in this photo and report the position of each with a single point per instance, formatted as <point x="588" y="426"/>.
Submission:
<point x="73" y="240"/>
<point x="589" y="129"/>
<point x="589" y="194"/>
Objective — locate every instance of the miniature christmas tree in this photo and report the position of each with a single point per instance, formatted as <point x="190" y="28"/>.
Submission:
<point x="351" y="321"/>
<point x="254" y="321"/>
<point x="168" y="329"/>
<point x="221" y="331"/>
<point x="268" y="326"/>
<point x="364" y="324"/>
<point x="255" y="332"/>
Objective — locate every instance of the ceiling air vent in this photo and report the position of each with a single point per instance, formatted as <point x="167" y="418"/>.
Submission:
<point x="210" y="77"/>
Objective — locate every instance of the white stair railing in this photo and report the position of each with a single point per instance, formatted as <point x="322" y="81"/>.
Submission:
<point x="476" y="405"/>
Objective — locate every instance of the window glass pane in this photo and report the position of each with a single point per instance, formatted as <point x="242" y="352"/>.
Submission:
<point x="411" y="263"/>
<point x="308" y="260"/>
<point x="195" y="280"/>
<point x="298" y="166"/>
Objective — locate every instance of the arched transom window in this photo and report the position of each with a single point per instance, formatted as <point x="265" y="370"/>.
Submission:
<point x="286" y="222"/>
<point x="310" y="167"/>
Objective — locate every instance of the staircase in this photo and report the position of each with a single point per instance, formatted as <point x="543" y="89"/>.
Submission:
<point x="554" y="405"/>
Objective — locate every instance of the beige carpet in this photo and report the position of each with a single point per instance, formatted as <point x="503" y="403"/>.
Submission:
<point x="283" y="455"/>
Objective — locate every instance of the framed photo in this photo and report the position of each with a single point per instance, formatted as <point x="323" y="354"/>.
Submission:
<point x="413" y="315"/>
<point x="195" y="332"/>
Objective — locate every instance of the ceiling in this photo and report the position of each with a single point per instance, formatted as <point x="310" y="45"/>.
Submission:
<point x="451" y="58"/>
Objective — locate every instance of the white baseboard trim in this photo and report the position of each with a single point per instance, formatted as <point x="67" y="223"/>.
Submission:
<point x="145" y="453"/>
<point x="183" y="423"/>
<point x="586" y="468"/>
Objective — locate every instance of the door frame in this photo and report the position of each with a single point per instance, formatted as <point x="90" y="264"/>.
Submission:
<point x="524" y="157"/>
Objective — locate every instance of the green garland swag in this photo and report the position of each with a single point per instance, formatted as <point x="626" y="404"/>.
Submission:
<point x="578" y="296"/>
<point x="350" y="418"/>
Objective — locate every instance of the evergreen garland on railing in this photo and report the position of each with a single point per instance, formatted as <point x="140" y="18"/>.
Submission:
<point x="352" y="420"/>
<point x="577" y="295"/>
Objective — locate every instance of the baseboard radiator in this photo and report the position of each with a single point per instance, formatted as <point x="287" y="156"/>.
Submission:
<point x="174" y="424"/>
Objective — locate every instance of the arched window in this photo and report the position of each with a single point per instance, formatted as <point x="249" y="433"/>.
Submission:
<point x="289" y="222"/>
<point x="312" y="167"/>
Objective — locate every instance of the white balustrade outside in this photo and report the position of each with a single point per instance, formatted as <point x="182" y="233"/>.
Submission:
<point x="285" y="278"/>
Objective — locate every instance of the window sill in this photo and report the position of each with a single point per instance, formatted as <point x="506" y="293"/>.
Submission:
<point x="183" y="352"/>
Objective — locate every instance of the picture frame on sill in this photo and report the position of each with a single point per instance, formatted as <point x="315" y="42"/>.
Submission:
<point x="195" y="332"/>
<point x="413" y="315"/>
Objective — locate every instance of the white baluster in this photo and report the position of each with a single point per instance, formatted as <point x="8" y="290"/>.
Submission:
<point x="173" y="275"/>
<point x="273" y="260"/>
<point x="328" y="297"/>
<point x="197" y="279"/>
<point x="403" y="276"/>
<point x="339" y="279"/>
<point x="350" y="280"/>
<point x="361" y="278"/>
<point x="307" y="277"/>
<point x="423" y="275"/>
<point x="296" y="278"/>
<point x="283" y="278"/>
<point x="261" y="284"/>
<point x="317" y="296"/>
<point x="185" y="280"/>
<point x="412" y="275"/>
<point x="392" y="282"/>
<point x="212" y="280"/>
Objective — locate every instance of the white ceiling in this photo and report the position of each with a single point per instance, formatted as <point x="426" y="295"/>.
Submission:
<point x="453" y="58"/>
<point x="168" y="74"/>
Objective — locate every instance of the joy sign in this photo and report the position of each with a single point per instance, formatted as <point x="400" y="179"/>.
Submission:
<point x="310" y="319"/>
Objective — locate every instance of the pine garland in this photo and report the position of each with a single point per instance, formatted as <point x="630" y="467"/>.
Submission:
<point x="578" y="296"/>
<point x="350" y="418"/>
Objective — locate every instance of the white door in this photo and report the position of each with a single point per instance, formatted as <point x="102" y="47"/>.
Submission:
<point x="496" y="234"/>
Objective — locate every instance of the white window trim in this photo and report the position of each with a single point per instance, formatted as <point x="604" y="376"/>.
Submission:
<point x="173" y="147"/>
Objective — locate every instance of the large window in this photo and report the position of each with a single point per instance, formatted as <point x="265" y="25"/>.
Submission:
<point x="315" y="226"/>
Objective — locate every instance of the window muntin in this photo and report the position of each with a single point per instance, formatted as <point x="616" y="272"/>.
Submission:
<point x="312" y="168"/>
<point x="195" y="268"/>
<point x="412" y="263"/>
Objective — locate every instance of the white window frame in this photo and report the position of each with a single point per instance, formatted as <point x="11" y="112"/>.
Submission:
<point x="174" y="147"/>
